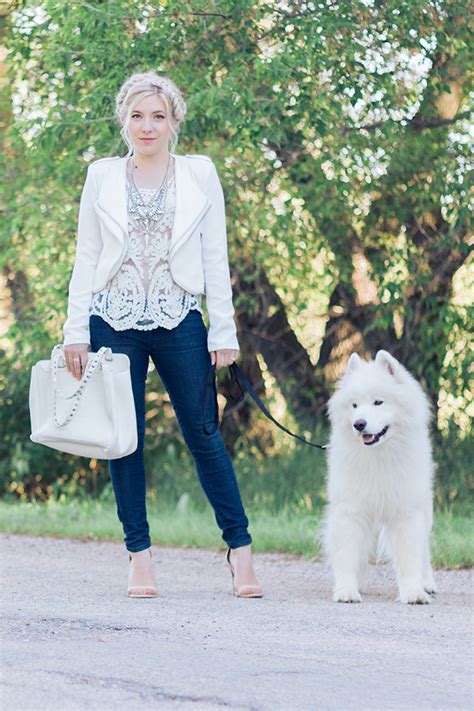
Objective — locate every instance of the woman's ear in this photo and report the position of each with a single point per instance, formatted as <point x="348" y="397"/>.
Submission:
<point x="387" y="361"/>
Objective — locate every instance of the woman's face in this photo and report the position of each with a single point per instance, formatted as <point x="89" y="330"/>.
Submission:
<point x="149" y="121"/>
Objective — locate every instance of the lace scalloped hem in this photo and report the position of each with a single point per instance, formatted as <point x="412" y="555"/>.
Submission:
<point x="158" y="323"/>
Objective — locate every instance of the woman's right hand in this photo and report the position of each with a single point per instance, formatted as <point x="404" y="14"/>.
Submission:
<point x="76" y="358"/>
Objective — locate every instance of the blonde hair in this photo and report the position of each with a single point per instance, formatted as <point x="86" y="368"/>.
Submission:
<point x="143" y="84"/>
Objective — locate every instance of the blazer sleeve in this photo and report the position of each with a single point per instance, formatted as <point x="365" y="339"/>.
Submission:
<point x="88" y="249"/>
<point x="218" y="289"/>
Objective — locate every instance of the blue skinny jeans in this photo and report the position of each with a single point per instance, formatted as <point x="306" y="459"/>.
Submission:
<point x="182" y="361"/>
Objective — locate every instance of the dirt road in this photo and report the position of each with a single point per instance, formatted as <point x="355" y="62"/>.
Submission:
<point x="72" y="638"/>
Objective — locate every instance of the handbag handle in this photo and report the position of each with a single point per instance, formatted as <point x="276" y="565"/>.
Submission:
<point x="58" y="352"/>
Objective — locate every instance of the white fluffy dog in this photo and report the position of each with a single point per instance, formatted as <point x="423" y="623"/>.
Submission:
<point x="380" y="478"/>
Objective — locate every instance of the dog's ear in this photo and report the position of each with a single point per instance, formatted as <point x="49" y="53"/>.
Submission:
<point x="387" y="361"/>
<point x="354" y="361"/>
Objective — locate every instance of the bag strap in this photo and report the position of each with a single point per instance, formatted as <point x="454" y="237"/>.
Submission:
<point x="57" y="353"/>
<point x="238" y="377"/>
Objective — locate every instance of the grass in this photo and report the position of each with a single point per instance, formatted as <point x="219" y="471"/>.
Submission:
<point x="452" y="540"/>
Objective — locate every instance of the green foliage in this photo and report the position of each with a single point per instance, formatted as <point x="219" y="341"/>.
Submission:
<point x="308" y="112"/>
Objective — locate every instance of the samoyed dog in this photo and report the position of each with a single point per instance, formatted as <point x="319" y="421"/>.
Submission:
<point x="380" y="479"/>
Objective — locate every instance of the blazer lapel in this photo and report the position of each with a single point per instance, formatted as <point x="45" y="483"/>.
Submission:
<point x="191" y="204"/>
<point x="111" y="203"/>
<point x="191" y="201"/>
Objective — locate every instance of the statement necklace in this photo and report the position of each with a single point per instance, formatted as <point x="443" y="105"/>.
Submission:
<point x="147" y="210"/>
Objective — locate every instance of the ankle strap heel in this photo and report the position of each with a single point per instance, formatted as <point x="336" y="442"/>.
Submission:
<point x="141" y="590"/>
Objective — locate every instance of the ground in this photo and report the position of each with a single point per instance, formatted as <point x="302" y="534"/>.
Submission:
<point x="72" y="638"/>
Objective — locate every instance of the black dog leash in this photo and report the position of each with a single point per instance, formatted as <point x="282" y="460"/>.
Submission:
<point x="238" y="377"/>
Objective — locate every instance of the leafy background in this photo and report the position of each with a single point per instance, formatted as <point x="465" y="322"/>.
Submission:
<point x="341" y="135"/>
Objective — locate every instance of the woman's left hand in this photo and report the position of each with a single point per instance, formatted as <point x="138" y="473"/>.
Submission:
<point x="224" y="356"/>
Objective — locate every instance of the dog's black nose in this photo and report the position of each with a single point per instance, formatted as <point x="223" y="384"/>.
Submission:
<point x="360" y="425"/>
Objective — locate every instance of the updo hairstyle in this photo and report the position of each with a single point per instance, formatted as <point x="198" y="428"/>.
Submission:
<point x="139" y="85"/>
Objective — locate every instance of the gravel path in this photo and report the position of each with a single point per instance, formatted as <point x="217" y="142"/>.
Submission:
<point x="72" y="638"/>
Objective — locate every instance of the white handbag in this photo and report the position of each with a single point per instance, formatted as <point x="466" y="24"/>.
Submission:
<point x="95" y="418"/>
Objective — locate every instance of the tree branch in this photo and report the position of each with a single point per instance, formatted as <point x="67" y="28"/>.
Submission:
<point x="420" y="125"/>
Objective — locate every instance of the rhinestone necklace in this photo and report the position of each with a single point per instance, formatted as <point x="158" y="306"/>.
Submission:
<point x="153" y="209"/>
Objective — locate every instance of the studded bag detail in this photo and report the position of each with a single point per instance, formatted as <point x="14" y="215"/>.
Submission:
<point x="94" y="419"/>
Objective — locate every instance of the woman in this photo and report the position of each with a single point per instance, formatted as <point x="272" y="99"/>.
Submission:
<point x="152" y="240"/>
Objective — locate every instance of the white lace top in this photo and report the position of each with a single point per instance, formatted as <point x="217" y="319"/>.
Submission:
<point x="142" y="294"/>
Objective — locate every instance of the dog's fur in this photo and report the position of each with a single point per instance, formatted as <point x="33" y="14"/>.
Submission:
<point x="379" y="480"/>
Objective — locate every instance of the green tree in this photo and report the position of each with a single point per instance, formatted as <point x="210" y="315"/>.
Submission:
<point x="340" y="133"/>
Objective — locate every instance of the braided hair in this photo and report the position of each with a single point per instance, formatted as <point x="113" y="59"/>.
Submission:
<point x="142" y="84"/>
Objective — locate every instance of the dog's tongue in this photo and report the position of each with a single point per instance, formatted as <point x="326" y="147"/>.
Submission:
<point x="368" y="437"/>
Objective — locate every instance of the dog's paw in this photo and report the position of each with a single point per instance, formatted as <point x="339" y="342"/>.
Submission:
<point x="415" y="597"/>
<point x="347" y="595"/>
<point x="430" y="587"/>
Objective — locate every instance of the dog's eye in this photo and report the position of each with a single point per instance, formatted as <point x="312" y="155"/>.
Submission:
<point x="378" y="402"/>
<point x="354" y="404"/>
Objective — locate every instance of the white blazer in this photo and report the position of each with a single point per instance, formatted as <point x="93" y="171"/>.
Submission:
<point x="198" y="258"/>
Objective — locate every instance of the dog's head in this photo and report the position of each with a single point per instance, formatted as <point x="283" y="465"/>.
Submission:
<point x="367" y="399"/>
<point x="372" y="406"/>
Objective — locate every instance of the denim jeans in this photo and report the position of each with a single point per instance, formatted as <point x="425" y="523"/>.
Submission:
<point x="182" y="360"/>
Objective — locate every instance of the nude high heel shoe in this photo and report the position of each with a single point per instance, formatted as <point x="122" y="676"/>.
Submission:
<point x="141" y="590"/>
<point x="243" y="590"/>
